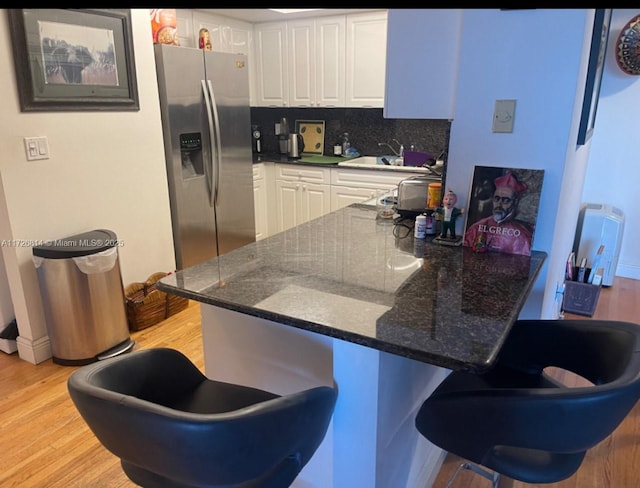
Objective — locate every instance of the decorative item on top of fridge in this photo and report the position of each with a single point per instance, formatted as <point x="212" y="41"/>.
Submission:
<point x="164" y="26"/>
<point x="204" y="40"/>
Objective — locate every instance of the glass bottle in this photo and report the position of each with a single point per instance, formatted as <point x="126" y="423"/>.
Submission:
<point x="345" y="144"/>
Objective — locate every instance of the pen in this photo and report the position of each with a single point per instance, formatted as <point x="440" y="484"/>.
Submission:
<point x="596" y="263"/>
<point x="581" y="270"/>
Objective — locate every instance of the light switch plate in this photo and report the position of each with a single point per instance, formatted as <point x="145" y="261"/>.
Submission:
<point x="504" y="114"/>
<point x="36" y="148"/>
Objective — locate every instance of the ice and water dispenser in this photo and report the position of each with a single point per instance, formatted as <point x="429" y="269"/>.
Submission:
<point x="191" y="154"/>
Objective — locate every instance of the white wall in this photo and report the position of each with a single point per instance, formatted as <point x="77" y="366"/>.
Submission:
<point x="106" y="170"/>
<point x="614" y="161"/>
<point x="536" y="57"/>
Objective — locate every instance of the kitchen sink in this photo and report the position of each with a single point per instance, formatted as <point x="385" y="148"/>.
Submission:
<point x="376" y="161"/>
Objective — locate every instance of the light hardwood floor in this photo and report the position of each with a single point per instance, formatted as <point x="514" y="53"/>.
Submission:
<point x="615" y="462"/>
<point x="45" y="443"/>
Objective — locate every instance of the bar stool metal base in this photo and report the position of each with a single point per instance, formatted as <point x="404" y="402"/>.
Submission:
<point x="491" y="476"/>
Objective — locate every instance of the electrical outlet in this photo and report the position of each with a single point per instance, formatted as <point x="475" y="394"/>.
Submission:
<point x="504" y="114"/>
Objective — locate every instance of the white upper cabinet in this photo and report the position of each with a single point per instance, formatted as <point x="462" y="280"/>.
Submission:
<point x="302" y="66"/>
<point x="422" y="63"/>
<point x="326" y="61"/>
<point x="316" y="62"/>
<point x="186" y="37"/>
<point x="366" y="59"/>
<point x="334" y="61"/>
<point x="330" y="61"/>
<point x="227" y="35"/>
<point x="271" y="64"/>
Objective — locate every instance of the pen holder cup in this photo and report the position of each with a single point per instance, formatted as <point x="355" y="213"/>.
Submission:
<point x="580" y="298"/>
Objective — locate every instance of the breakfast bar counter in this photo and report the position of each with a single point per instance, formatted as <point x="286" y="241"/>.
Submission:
<point x="355" y="300"/>
<point x="346" y="275"/>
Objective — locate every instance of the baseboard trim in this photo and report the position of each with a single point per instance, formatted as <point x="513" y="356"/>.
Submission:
<point x="36" y="351"/>
<point x="628" y="271"/>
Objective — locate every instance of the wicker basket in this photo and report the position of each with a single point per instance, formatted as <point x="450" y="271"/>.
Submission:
<point x="146" y="305"/>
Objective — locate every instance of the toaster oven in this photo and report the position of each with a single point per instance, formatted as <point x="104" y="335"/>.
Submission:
<point x="412" y="195"/>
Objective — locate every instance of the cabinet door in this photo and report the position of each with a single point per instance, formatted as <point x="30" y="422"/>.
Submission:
<point x="356" y="178"/>
<point x="330" y="61"/>
<point x="315" y="201"/>
<point x="215" y="27"/>
<point x="366" y="58"/>
<point x="422" y="63"/>
<point x="302" y="66"/>
<point x="260" y="201"/>
<point x="343" y="196"/>
<point x="271" y="64"/>
<point x="306" y="173"/>
<point x="186" y="37"/>
<point x="237" y="39"/>
<point x="287" y="205"/>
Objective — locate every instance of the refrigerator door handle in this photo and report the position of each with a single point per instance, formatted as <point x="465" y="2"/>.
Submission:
<point x="212" y="170"/>
<point x="217" y="154"/>
<point x="208" y="164"/>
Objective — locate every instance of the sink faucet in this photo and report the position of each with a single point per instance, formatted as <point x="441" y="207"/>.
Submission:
<point x="396" y="153"/>
<point x="432" y="171"/>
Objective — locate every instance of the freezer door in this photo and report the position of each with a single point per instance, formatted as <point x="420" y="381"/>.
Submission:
<point x="187" y="151"/>
<point x="228" y="78"/>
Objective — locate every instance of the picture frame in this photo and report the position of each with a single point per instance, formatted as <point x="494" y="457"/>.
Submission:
<point x="599" y="38"/>
<point x="74" y="59"/>
<point x="503" y="209"/>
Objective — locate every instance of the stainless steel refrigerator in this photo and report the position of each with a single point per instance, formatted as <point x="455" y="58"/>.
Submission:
<point x="204" y="102"/>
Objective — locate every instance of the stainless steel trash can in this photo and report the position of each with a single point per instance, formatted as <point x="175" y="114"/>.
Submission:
<point x="83" y="297"/>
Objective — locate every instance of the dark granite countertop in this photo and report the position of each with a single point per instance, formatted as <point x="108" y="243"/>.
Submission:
<point x="283" y="158"/>
<point x="351" y="277"/>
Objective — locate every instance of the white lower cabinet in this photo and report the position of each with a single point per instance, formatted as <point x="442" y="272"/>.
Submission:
<point x="287" y="195"/>
<point x="302" y="194"/>
<point x="343" y="196"/>
<point x="261" y="200"/>
<point x="354" y="186"/>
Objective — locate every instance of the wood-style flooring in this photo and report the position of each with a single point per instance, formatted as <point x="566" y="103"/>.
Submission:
<point x="615" y="462"/>
<point x="44" y="442"/>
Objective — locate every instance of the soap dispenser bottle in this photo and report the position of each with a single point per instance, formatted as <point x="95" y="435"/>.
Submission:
<point x="346" y="144"/>
<point x="399" y="161"/>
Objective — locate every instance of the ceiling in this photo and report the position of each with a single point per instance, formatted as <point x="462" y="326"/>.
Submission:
<point x="266" y="15"/>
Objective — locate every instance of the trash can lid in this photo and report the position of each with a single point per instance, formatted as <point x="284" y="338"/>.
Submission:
<point x="91" y="242"/>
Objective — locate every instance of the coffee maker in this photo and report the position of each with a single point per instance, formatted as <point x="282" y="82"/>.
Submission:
<point x="283" y="136"/>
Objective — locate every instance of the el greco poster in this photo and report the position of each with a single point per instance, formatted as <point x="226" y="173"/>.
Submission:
<point x="503" y="208"/>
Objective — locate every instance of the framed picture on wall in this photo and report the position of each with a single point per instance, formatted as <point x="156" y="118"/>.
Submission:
<point x="74" y="59"/>
<point x="595" y="67"/>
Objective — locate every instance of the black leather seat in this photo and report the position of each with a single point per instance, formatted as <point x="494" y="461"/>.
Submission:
<point x="173" y="427"/>
<point x="519" y="422"/>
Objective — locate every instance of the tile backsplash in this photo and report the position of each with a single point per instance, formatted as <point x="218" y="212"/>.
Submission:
<point x="366" y="127"/>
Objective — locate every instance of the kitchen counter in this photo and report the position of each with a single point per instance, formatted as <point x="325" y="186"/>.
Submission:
<point x="346" y="298"/>
<point x="283" y="158"/>
<point x="331" y="163"/>
<point x="443" y="305"/>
